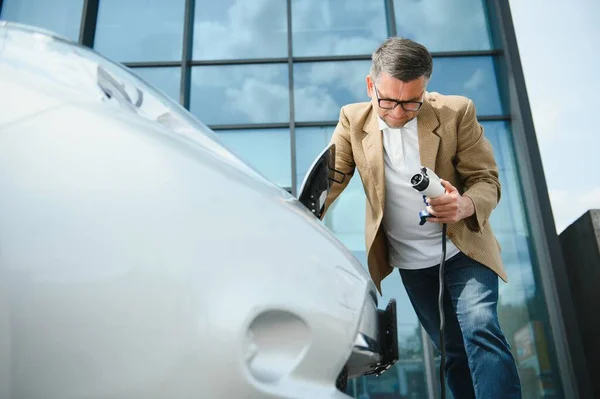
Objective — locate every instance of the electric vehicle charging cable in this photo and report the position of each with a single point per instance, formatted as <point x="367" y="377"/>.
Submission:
<point x="429" y="185"/>
<point x="442" y="321"/>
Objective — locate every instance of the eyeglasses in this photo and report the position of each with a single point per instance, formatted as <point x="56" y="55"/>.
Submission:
<point x="385" y="103"/>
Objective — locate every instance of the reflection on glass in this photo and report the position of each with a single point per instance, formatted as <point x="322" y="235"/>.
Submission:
<point x="508" y="219"/>
<point x="346" y="219"/>
<point x="240" y="94"/>
<point x="165" y="79"/>
<point x="443" y="25"/>
<point x="140" y="30"/>
<point x="62" y="17"/>
<point x="473" y="77"/>
<point x="521" y="309"/>
<point x="310" y="141"/>
<point x="326" y="27"/>
<point x="229" y="29"/>
<point x="321" y="89"/>
<point x="266" y="150"/>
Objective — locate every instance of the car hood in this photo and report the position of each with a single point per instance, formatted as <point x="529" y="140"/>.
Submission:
<point x="41" y="72"/>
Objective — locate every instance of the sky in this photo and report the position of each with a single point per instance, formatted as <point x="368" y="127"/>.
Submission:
<point x="559" y="46"/>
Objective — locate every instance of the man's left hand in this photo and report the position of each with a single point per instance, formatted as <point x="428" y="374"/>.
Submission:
<point x="449" y="207"/>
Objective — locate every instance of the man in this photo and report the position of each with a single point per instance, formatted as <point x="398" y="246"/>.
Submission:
<point x="388" y="139"/>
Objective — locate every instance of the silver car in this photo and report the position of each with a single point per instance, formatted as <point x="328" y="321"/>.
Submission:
<point x="140" y="258"/>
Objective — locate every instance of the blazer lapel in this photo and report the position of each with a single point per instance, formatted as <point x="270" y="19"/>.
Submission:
<point x="373" y="149"/>
<point x="429" y="140"/>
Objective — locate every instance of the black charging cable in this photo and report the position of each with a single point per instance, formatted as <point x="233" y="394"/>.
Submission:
<point x="421" y="182"/>
<point x="442" y="321"/>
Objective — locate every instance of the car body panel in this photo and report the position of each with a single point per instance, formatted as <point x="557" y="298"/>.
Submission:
<point x="140" y="258"/>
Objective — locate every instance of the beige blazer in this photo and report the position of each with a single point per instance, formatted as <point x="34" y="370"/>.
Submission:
<point x="451" y="143"/>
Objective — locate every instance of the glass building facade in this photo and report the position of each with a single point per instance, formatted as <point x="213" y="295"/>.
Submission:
<point x="270" y="76"/>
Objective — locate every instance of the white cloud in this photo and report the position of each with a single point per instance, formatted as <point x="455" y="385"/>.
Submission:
<point x="268" y="100"/>
<point x="338" y="76"/>
<point x="247" y="29"/>
<point x="258" y="28"/>
<point x="321" y="27"/>
<point x="476" y="81"/>
<point x="316" y="104"/>
<point x="443" y="25"/>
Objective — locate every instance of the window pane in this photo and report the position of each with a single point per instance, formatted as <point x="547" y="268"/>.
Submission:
<point x="266" y="150"/>
<point x="165" y="79"/>
<point x="522" y="309"/>
<point x="240" y="94"/>
<point x="140" y="30"/>
<point x="473" y="77"/>
<point x="328" y="27"/>
<point x="443" y="25"/>
<point x="347" y="216"/>
<point x="234" y="29"/>
<point x="310" y="141"/>
<point x="320" y="89"/>
<point x="62" y="17"/>
<point x="509" y="216"/>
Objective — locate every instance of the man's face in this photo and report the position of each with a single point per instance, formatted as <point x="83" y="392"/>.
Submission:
<point x="389" y="88"/>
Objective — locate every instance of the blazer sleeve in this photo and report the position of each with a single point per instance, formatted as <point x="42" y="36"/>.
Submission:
<point x="344" y="159"/>
<point x="476" y="166"/>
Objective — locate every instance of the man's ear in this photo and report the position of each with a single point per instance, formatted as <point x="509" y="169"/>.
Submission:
<point x="369" y="86"/>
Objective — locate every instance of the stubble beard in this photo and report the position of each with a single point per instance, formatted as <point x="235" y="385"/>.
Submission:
<point x="398" y="125"/>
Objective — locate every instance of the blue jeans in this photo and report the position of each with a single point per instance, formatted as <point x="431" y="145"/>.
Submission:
<point x="478" y="359"/>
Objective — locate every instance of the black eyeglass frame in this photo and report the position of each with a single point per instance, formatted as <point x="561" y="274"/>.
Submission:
<point x="401" y="103"/>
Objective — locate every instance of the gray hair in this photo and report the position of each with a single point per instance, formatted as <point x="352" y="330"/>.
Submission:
<point x="403" y="59"/>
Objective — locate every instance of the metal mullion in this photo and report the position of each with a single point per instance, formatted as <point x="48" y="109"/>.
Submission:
<point x="290" y="61"/>
<point x="152" y="64"/>
<point x="328" y="58"/>
<point x="248" y="126"/>
<point x="390" y="17"/>
<point x="186" y="54"/>
<point x="481" y="118"/>
<point x="491" y="118"/>
<point x="89" y="20"/>
<point x="0" y="7"/>
<point x="367" y="57"/>
<point x="317" y="123"/>
<point x="431" y="375"/>
<point x="333" y="58"/>
<point x="467" y="53"/>
<point x="238" y="61"/>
